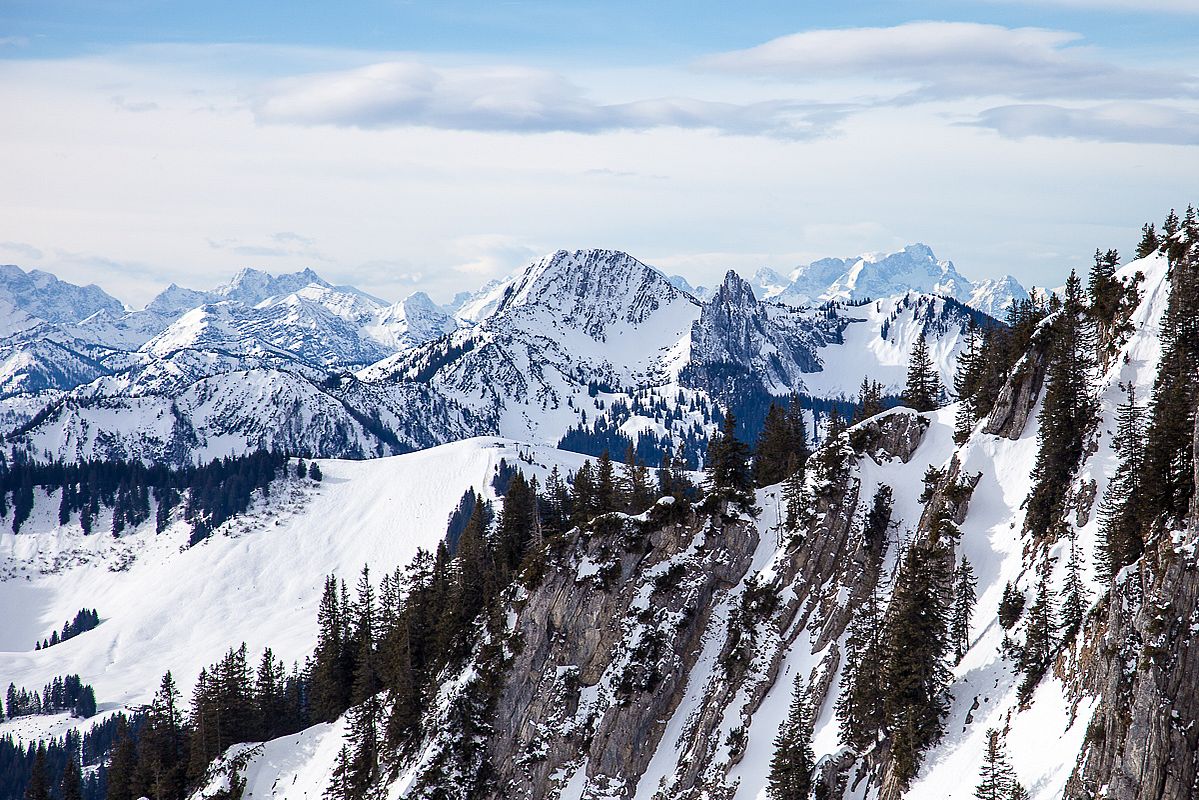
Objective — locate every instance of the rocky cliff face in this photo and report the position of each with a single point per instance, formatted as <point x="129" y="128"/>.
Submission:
<point x="775" y="344"/>
<point x="1140" y="657"/>
<point x="641" y="659"/>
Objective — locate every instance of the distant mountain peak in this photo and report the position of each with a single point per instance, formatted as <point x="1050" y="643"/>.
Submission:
<point x="915" y="267"/>
<point x="39" y="296"/>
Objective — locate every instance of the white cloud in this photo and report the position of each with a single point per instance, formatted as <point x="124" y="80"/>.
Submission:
<point x="278" y="245"/>
<point x="939" y="60"/>
<point x="21" y="250"/>
<point x="401" y="207"/>
<point x="515" y="99"/>
<point x="485" y="256"/>
<point x="1139" y="123"/>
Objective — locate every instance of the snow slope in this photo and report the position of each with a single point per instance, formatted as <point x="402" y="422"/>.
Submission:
<point x="257" y="579"/>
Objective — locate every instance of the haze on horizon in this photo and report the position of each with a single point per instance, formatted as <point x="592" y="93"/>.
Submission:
<point x="403" y="146"/>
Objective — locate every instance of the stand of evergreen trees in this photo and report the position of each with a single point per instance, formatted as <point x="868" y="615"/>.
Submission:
<point x="63" y="693"/>
<point x="215" y="491"/>
<point x="85" y="620"/>
<point x="1154" y="482"/>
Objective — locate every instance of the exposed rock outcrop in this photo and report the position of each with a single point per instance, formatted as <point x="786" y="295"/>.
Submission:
<point x="1019" y="394"/>
<point x="1140" y="656"/>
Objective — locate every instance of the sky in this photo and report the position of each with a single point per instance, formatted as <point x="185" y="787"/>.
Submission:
<point x="401" y="146"/>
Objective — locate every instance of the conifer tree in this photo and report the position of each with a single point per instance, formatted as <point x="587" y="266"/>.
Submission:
<point x="636" y="485"/>
<point x="607" y="490"/>
<point x="915" y="674"/>
<point x="71" y="787"/>
<point x="161" y="748"/>
<point x="726" y="473"/>
<point x="517" y="522"/>
<point x="791" y="767"/>
<point x="330" y="683"/>
<point x="967" y="383"/>
<point x="781" y="448"/>
<point x="1074" y="593"/>
<point x="1039" y="640"/>
<point x="797" y="515"/>
<point x="996" y="778"/>
<point x="1149" y="241"/>
<point x="1104" y="290"/>
<point x="341" y="781"/>
<point x="39" y="782"/>
<point x="870" y="400"/>
<point x="1169" y="481"/>
<point x="555" y="510"/>
<point x="859" y="707"/>
<point x="963" y="607"/>
<point x="1068" y="410"/>
<point x="1011" y="606"/>
<point x="922" y="391"/>
<point x="1120" y="510"/>
<point x="834" y="425"/>
<point x="122" y="764"/>
<point x="584" y="505"/>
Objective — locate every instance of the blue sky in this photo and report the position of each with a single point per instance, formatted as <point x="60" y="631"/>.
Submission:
<point x="413" y="145"/>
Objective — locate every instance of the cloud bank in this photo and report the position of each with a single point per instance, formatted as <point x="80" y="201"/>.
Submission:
<point x="515" y="100"/>
<point x="950" y="60"/>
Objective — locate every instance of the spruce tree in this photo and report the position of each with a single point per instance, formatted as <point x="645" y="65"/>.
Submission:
<point x="922" y="391"/>
<point x="584" y="505"/>
<point x="1169" y="481"/>
<point x="791" y="767"/>
<point x="1074" y="593"/>
<point x="726" y="473"/>
<point x="996" y="778"/>
<point x="859" y="707"/>
<point x="1039" y="640"/>
<point x="915" y="675"/>
<point x="71" y="787"/>
<point x="1149" y="241"/>
<point x="122" y="764"/>
<point x="797" y="514"/>
<point x="330" y="683"/>
<point x="781" y="448"/>
<point x="1068" y="411"/>
<point x="39" y="782"/>
<point x="967" y="383"/>
<point x="161" y="748"/>
<point x="1120" y="510"/>
<point x="963" y="607"/>
<point x="607" y="490"/>
<point x="870" y="400"/>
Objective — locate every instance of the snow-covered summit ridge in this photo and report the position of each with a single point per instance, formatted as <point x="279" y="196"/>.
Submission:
<point x="882" y="274"/>
<point x="29" y="297"/>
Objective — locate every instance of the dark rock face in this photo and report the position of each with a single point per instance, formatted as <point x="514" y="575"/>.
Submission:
<point x="599" y="670"/>
<point x="737" y="333"/>
<point x="1141" y="657"/>
<point x="895" y="433"/>
<point x="1019" y="393"/>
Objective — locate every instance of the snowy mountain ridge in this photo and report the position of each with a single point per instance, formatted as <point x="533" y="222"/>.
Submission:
<point x="654" y="655"/>
<point x="883" y="274"/>
<point x="522" y="358"/>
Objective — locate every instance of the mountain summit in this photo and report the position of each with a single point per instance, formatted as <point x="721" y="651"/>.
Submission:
<point x="877" y="275"/>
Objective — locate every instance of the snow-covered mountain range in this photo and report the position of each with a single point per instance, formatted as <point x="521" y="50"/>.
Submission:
<point x="880" y="275"/>
<point x="292" y="361"/>
<point x="652" y="656"/>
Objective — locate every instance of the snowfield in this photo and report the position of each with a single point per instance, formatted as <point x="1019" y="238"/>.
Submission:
<point x="257" y="580"/>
